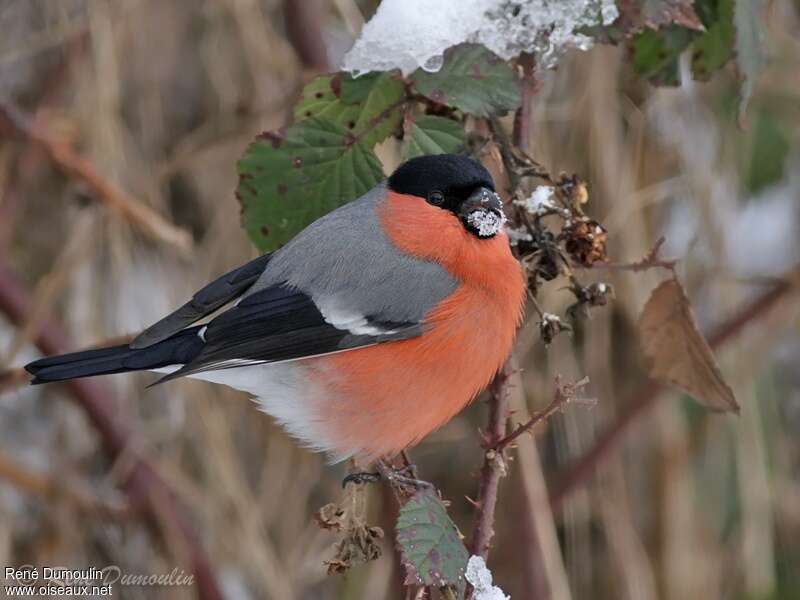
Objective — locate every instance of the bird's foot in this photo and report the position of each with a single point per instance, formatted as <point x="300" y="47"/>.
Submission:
<point x="405" y="476"/>
<point x="361" y="477"/>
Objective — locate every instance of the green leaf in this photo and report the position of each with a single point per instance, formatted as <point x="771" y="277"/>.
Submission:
<point x="431" y="549"/>
<point x="429" y="134"/>
<point x="288" y="179"/>
<point x="712" y="50"/>
<point x="369" y="106"/>
<point x="656" y="52"/>
<point x="471" y="79"/>
<point x="769" y="148"/>
<point x="749" y="47"/>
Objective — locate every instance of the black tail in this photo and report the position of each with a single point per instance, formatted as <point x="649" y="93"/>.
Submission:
<point x="179" y="349"/>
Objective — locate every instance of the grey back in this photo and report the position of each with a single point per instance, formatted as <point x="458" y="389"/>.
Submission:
<point x="345" y="257"/>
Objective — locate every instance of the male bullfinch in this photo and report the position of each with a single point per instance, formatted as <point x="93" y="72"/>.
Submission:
<point x="372" y="327"/>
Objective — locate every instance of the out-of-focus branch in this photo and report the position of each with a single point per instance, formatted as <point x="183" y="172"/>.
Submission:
<point x="522" y="118"/>
<point x="649" y="391"/>
<point x="143" y="484"/>
<point x="304" y="28"/>
<point x="48" y="486"/>
<point x="25" y="165"/>
<point x="74" y="165"/>
<point x="11" y="379"/>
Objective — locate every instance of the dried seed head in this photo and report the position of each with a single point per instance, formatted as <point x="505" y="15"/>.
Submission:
<point x="550" y="326"/>
<point x="585" y="241"/>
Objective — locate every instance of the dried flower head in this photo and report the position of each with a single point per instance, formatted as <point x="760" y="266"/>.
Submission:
<point x="585" y="241"/>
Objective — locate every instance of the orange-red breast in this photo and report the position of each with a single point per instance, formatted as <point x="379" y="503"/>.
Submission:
<point x="367" y="331"/>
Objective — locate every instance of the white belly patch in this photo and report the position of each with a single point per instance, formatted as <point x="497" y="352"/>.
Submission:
<point x="287" y="392"/>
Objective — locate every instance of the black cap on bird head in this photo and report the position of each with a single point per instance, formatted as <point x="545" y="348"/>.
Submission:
<point x="455" y="183"/>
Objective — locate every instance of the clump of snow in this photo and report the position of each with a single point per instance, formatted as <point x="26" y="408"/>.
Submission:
<point x="486" y="222"/>
<point x="408" y="34"/>
<point x="479" y="575"/>
<point x="551" y="319"/>
<point x="518" y="234"/>
<point x="544" y="28"/>
<point x="540" y="202"/>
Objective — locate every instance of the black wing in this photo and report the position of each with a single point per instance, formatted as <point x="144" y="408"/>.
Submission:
<point x="213" y="296"/>
<point x="278" y="324"/>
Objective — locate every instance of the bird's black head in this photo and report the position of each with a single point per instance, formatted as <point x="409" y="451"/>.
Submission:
<point x="454" y="183"/>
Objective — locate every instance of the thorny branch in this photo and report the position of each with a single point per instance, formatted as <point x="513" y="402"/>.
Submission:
<point x="494" y="464"/>
<point x="564" y="394"/>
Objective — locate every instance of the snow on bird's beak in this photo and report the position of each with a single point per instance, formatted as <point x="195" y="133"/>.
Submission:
<point x="482" y="212"/>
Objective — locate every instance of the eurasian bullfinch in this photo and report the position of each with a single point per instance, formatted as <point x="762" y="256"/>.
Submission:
<point x="372" y="327"/>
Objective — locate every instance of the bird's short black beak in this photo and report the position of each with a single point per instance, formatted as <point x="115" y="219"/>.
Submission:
<point x="482" y="212"/>
<point x="481" y="199"/>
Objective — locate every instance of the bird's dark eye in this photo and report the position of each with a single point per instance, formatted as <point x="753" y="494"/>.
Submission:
<point x="436" y="198"/>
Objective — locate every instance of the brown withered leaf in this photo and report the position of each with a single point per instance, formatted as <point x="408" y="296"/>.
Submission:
<point x="676" y="351"/>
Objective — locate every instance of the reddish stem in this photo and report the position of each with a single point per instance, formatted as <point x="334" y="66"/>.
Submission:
<point x="493" y="464"/>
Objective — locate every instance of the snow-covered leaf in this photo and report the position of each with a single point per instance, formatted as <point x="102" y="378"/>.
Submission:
<point x="289" y="178"/>
<point x="431" y="549"/>
<point x="677" y="352"/>
<point x="429" y="134"/>
<point x="749" y="47"/>
<point x="370" y="106"/>
<point x="471" y="79"/>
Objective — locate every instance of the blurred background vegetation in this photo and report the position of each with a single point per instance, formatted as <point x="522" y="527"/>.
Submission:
<point x="161" y="99"/>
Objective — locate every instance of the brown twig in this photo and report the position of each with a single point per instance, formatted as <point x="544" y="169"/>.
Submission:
<point x="74" y="165"/>
<point x="564" y="394"/>
<point x="143" y="484"/>
<point x="649" y="391"/>
<point x="651" y="260"/>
